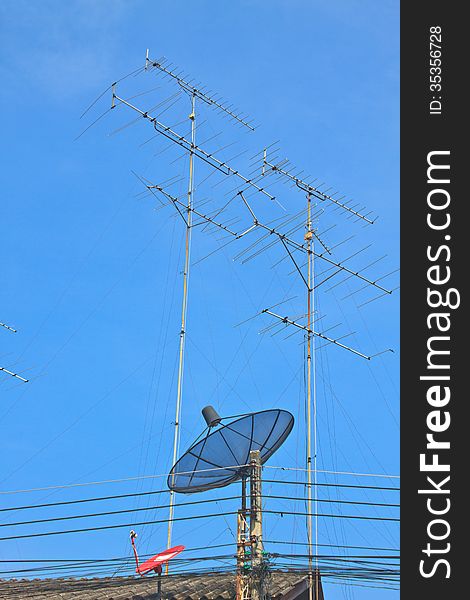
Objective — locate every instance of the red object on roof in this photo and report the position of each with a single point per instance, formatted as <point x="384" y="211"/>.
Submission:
<point x="152" y="564"/>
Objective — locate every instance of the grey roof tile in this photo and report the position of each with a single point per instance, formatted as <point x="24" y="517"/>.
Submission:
<point x="219" y="586"/>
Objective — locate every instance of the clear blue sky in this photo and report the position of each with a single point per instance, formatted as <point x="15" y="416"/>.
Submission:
<point x="91" y="274"/>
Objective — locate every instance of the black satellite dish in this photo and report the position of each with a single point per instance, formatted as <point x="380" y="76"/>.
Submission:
<point x="222" y="456"/>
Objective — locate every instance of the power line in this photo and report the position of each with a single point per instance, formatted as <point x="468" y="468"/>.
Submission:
<point x="97" y="560"/>
<point x="341" y="516"/>
<point x="325" y="561"/>
<point x="83" y="500"/>
<point x="335" y="472"/>
<point x="115" y="512"/>
<point x="352" y="558"/>
<point x="106" y="481"/>
<point x="117" y="526"/>
<point x="120" y="496"/>
<point x="333" y="567"/>
<point x="338" y="485"/>
<point x="139" y="477"/>
<point x="290" y="543"/>
<point x="104" y="527"/>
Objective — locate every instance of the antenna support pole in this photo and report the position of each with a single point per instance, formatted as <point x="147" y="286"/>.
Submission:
<point x="242" y="548"/>
<point x="257" y="579"/>
<point x="184" y="310"/>
<point x="311" y="388"/>
<point x="251" y="580"/>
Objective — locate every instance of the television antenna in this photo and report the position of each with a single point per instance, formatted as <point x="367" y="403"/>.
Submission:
<point x="195" y="93"/>
<point x="314" y="259"/>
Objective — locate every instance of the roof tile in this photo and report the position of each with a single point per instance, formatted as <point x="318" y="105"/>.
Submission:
<point x="174" y="587"/>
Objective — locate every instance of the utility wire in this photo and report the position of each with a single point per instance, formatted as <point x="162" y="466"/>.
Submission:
<point x="157" y="492"/>
<point x="114" y="512"/>
<point x="108" y="481"/>
<point x="335" y="472"/>
<point x="117" y="526"/>
<point x="105" y="527"/>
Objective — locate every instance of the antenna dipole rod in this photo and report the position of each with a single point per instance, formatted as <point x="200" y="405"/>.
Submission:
<point x="288" y="321"/>
<point x="196" y="150"/>
<point x="310" y="250"/>
<point x="15" y="375"/>
<point x="310" y="189"/>
<point x="184" y="310"/>
<point x="5" y="326"/>
<point x="282" y="237"/>
<point x="203" y="216"/>
<point x="197" y="92"/>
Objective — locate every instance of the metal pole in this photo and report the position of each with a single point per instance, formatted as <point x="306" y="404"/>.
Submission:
<point x="257" y="580"/>
<point x="311" y="387"/>
<point x="315" y="429"/>
<point x="184" y="309"/>
<point x="159" y="582"/>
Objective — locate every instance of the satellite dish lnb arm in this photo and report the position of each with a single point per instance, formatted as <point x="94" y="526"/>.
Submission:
<point x="133" y="535"/>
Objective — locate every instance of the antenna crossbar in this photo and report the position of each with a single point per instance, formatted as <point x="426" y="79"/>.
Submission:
<point x="288" y="321"/>
<point x="312" y="190"/>
<point x="177" y="202"/>
<point x="285" y="240"/>
<point x="5" y="326"/>
<point x="12" y="374"/>
<point x="198" y="92"/>
<point x="207" y="157"/>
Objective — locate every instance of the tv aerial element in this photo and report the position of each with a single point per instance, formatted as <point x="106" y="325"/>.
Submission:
<point x="4" y="369"/>
<point x="155" y="562"/>
<point x="183" y="142"/>
<point x="312" y="190"/>
<point x="199" y="92"/>
<point x="290" y="246"/>
<point x="5" y="326"/>
<point x="13" y="374"/>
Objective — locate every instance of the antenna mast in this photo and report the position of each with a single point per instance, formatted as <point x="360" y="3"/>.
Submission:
<point x="310" y="309"/>
<point x="193" y="150"/>
<point x="184" y="308"/>
<point x="251" y="579"/>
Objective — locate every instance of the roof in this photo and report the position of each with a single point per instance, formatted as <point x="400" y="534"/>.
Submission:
<point x="220" y="586"/>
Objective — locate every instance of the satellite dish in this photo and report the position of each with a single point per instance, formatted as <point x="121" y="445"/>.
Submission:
<point x="222" y="456"/>
<point x="155" y="563"/>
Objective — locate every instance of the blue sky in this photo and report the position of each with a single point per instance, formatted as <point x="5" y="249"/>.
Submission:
<point x="91" y="274"/>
